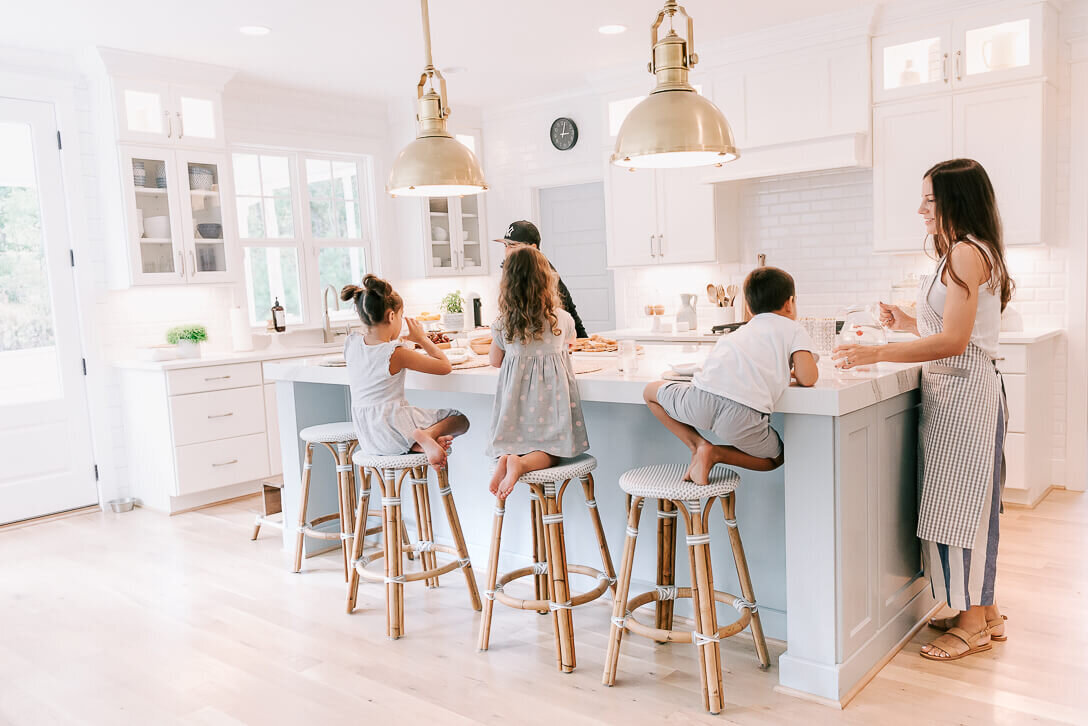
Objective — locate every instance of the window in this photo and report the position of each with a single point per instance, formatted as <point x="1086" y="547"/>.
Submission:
<point x="302" y="234"/>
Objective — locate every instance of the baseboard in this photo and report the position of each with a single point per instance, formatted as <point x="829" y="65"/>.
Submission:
<point x="50" y="517"/>
<point x="1029" y="503"/>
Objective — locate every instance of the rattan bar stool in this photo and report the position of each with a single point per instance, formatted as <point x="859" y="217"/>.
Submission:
<point x="339" y="439"/>
<point x="390" y="473"/>
<point x="666" y="483"/>
<point x="553" y="592"/>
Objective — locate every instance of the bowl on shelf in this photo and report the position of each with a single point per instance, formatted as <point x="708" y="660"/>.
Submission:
<point x="201" y="178"/>
<point x="210" y="230"/>
<point x="157" y="227"/>
<point x="439" y="234"/>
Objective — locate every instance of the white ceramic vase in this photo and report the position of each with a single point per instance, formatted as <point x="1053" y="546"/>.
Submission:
<point x="453" y="321"/>
<point x="188" y="349"/>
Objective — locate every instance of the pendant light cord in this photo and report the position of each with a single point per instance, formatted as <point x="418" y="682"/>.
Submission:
<point x="427" y="62"/>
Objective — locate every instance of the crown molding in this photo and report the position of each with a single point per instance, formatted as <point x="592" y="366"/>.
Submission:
<point x="140" y="65"/>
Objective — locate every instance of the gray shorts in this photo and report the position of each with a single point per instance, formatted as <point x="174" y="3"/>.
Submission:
<point x="734" y="423"/>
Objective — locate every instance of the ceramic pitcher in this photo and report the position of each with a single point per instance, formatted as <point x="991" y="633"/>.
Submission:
<point x="686" y="313"/>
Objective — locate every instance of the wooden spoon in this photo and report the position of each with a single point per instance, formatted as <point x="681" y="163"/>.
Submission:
<point x="732" y="291"/>
<point x="720" y="294"/>
<point x="712" y="294"/>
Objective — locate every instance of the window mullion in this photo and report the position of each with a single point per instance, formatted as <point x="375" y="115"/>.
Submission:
<point x="312" y="280"/>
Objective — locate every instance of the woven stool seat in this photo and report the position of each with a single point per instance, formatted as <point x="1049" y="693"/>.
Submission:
<point x="574" y="468"/>
<point x="395" y="461"/>
<point x="330" y="433"/>
<point x="666" y="481"/>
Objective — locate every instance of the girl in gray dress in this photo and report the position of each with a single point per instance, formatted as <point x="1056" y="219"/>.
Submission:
<point x="385" y="423"/>
<point x="537" y="418"/>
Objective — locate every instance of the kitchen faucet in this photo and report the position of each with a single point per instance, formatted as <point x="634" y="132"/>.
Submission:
<point x="328" y="335"/>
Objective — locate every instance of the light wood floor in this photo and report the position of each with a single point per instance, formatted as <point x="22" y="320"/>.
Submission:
<point x="143" y="619"/>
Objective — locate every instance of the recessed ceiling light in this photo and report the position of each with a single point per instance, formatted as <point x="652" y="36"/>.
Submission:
<point x="611" y="29"/>
<point x="254" y="30"/>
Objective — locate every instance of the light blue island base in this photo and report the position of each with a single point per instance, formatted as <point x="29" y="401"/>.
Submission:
<point x="829" y="537"/>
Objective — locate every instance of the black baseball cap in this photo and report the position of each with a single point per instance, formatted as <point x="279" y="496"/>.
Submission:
<point x="522" y="231"/>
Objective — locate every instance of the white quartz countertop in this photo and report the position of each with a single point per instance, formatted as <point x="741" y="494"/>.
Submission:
<point x="835" y="394"/>
<point x="227" y="358"/>
<point x="1022" y="337"/>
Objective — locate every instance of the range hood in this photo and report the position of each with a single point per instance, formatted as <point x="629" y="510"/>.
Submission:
<point x="823" y="154"/>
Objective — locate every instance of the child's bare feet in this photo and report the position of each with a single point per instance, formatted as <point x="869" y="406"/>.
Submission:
<point x="514" y="469"/>
<point x="436" y="452"/>
<point x="702" y="461"/>
<point x="446" y="442"/>
<point x="499" y="475"/>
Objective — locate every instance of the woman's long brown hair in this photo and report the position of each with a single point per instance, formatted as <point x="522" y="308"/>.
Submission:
<point x="528" y="296"/>
<point x="966" y="206"/>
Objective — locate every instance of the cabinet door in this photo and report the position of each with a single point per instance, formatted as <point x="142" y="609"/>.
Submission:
<point x="687" y="217"/>
<point x="912" y="63"/>
<point x="440" y="248"/>
<point x="152" y="211"/>
<point x="908" y="138"/>
<point x="202" y="178"/>
<point x="1002" y="129"/>
<point x="197" y="114"/>
<point x="143" y="111"/>
<point x="272" y="429"/>
<point x="998" y="46"/>
<point x="631" y="204"/>
<point x="472" y="247"/>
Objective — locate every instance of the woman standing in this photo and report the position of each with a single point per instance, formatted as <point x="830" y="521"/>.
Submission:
<point x="963" y="401"/>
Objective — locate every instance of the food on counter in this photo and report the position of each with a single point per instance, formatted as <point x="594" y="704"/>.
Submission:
<point x="428" y="317"/>
<point x="654" y="309"/>
<point x="594" y="344"/>
<point x="441" y="340"/>
<point x="480" y="346"/>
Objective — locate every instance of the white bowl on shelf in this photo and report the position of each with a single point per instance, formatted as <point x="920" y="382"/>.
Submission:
<point x="439" y="234"/>
<point x="157" y="227"/>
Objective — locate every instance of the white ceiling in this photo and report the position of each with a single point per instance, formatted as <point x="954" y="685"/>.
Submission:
<point x="512" y="49"/>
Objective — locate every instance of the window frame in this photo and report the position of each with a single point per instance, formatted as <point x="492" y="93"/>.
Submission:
<point x="307" y="246"/>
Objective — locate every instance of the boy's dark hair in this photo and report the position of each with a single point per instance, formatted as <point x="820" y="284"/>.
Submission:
<point x="767" y="289"/>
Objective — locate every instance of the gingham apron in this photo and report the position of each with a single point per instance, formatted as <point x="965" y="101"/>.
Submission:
<point x="960" y="399"/>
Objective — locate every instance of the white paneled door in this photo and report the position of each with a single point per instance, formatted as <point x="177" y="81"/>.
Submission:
<point x="573" y="238"/>
<point x="45" y="440"/>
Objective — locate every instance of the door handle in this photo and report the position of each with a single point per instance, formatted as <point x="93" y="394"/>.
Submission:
<point x="220" y="415"/>
<point x="660" y="246"/>
<point x="944" y="67"/>
<point x="652" y="253"/>
<point x="181" y="264"/>
<point x="169" y="124"/>
<point x="192" y="257"/>
<point x="226" y="463"/>
<point x="959" y="70"/>
<point x="181" y="125"/>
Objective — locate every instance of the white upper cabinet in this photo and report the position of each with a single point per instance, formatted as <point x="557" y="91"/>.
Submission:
<point x="631" y="221"/>
<point x="980" y="48"/>
<point x="198" y="113"/>
<point x="454" y="236"/>
<point x="159" y="113"/>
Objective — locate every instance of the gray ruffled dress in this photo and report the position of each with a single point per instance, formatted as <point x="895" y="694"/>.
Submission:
<point x="385" y="423"/>
<point x="537" y="406"/>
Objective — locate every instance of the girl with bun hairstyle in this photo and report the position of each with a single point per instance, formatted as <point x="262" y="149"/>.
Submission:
<point x="385" y="423"/>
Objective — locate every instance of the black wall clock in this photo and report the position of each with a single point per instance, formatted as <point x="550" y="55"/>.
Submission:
<point x="564" y="134"/>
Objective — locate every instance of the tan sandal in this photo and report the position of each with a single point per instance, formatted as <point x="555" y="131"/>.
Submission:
<point x="958" y="643"/>
<point x="995" y="627"/>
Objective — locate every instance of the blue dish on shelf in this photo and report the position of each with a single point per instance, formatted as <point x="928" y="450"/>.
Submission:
<point x="210" y="230"/>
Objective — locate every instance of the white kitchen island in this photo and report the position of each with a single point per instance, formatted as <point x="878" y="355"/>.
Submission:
<point x="829" y="537"/>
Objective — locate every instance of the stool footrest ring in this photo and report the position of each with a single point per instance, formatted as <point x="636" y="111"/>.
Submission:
<point x="632" y="625"/>
<point x="575" y="600"/>
<point x="445" y="568"/>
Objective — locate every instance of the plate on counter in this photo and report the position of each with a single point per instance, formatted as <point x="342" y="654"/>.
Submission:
<point x="334" y="363"/>
<point x="671" y="375"/>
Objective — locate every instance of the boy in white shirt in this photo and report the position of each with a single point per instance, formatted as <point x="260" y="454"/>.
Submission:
<point x="741" y="380"/>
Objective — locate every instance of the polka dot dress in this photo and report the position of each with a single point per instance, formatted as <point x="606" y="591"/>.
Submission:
<point x="537" y="407"/>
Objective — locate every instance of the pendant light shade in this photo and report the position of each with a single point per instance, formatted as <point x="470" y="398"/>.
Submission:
<point x="435" y="164"/>
<point x="674" y="126"/>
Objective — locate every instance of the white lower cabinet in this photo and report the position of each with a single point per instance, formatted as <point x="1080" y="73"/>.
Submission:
<point x="215" y="464"/>
<point x="1027" y="370"/>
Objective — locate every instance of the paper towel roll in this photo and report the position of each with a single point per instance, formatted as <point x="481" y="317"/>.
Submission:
<point x="240" y="332"/>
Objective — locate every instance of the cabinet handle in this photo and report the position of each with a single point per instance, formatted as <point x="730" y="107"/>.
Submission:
<point x="192" y="257"/>
<point x="660" y="247"/>
<point x="220" y="415"/>
<point x="181" y="264"/>
<point x="944" y="67"/>
<point x="216" y="378"/>
<point x="169" y="124"/>
<point x="959" y="71"/>
<point x="652" y="253"/>
<point x="226" y="463"/>
<point x="181" y="125"/>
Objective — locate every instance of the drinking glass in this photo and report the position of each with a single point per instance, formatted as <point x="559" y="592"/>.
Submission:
<point x="627" y="361"/>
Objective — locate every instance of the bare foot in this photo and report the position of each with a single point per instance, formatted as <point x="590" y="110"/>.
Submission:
<point x="702" y="461"/>
<point x="436" y="453"/>
<point x="514" y="469"/>
<point x="446" y="442"/>
<point x="498" y="476"/>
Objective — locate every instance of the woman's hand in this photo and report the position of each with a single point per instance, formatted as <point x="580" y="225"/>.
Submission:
<point x="893" y="318"/>
<point x="851" y="356"/>
<point x="415" y="331"/>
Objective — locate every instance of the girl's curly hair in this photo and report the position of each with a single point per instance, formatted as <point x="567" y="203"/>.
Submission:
<point x="528" y="296"/>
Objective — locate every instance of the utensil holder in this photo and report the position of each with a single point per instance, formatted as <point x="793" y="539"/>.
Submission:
<point x="723" y="315"/>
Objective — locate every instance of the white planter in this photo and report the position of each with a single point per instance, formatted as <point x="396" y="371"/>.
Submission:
<point x="453" y="321"/>
<point x="188" y="349"/>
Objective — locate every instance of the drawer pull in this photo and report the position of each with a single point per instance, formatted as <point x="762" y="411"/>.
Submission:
<point x="220" y="415"/>
<point x="227" y="463"/>
<point x="216" y="378"/>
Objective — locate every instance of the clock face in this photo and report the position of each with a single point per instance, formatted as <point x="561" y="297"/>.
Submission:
<point x="564" y="134"/>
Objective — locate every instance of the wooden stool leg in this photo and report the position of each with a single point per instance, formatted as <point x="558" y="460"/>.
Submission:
<point x="423" y="522"/>
<point x="557" y="570"/>
<point x="706" y="618"/>
<point x="492" y="574"/>
<point x="729" y="505"/>
<point x="358" y="540"/>
<point x="343" y="485"/>
<point x="595" y="515"/>
<point x="394" y="561"/>
<point x="307" y="465"/>
<point x="256" y="528"/>
<point x="540" y="582"/>
<point x="458" y="537"/>
<point x="666" y="560"/>
<point x="623" y="590"/>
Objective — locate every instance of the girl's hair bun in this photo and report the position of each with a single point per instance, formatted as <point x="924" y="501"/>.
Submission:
<point x="373" y="300"/>
<point x="350" y="292"/>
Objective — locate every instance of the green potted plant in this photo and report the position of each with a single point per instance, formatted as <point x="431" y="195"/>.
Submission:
<point x="188" y="339"/>
<point x="453" y="311"/>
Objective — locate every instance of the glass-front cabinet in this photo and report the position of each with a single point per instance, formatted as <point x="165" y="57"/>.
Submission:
<point x="175" y="216"/>
<point x="454" y="232"/>
<point x="161" y="113"/>
<point x="982" y="48"/>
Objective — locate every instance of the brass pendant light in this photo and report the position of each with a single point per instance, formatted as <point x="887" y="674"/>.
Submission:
<point x="674" y="126"/>
<point x="435" y="164"/>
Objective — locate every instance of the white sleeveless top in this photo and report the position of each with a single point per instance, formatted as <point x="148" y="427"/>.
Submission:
<point x="987" y="317"/>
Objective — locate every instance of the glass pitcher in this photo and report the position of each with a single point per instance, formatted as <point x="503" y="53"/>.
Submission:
<point x="861" y="326"/>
